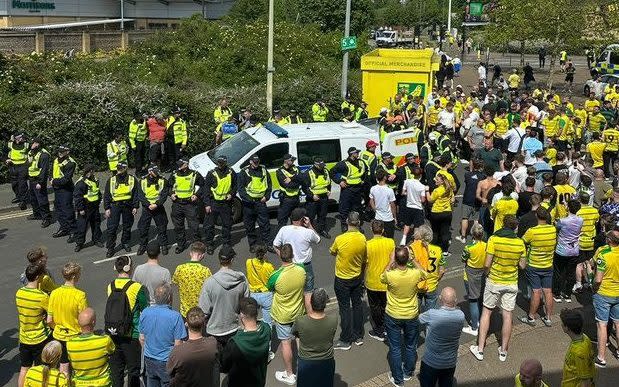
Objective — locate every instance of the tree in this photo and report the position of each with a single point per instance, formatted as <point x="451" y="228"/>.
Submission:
<point x="411" y="13"/>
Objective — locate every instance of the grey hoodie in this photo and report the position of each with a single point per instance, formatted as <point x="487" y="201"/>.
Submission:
<point x="219" y="299"/>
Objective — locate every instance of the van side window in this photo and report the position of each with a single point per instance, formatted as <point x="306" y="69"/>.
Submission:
<point x="271" y="156"/>
<point x="328" y="149"/>
<point x="614" y="57"/>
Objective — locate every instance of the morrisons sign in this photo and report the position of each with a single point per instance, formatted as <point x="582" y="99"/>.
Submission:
<point x="33" y="5"/>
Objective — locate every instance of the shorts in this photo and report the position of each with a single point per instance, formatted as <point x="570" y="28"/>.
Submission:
<point x="605" y="307"/>
<point x="413" y="217"/>
<point x="505" y="293"/>
<point x="30" y="354"/>
<point x="284" y="331"/>
<point x="309" y="278"/>
<point x="468" y="212"/>
<point x="539" y="278"/>
<point x="585" y="255"/>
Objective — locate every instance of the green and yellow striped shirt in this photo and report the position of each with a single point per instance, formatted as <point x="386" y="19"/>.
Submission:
<point x="88" y="354"/>
<point x="32" y="313"/>
<point x="542" y="240"/>
<point x="55" y="378"/>
<point x="506" y="252"/>
<point x="590" y="216"/>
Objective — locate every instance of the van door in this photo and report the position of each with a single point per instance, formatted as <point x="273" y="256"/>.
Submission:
<point x="329" y="150"/>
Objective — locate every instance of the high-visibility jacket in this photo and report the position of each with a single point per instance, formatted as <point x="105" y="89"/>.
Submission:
<point x="94" y="192"/>
<point x="391" y="171"/>
<point x="258" y="185"/>
<point x="121" y="191"/>
<point x="290" y="175"/>
<point x="184" y="186"/>
<point x="355" y="174"/>
<point x="137" y="132"/>
<point x="347" y="105"/>
<point x="221" y="114"/>
<point x="319" y="113"/>
<point x="57" y="167"/>
<point x="367" y="157"/>
<point x="116" y="153"/>
<point x="223" y="186"/>
<point x="33" y="169"/>
<point x="319" y="183"/>
<point x="16" y="155"/>
<point x="294" y="119"/>
<point x="152" y="191"/>
<point x="179" y="129"/>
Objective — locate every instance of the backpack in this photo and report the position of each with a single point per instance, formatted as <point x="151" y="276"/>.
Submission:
<point x="118" y="316"/>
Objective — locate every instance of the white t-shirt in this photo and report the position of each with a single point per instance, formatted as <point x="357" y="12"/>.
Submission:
<point x="414" y="192"/>
<point x="514" y="135"/>
<point x="481" y="71"/>
<point x="383" y="196"/>
<point x="520" y="175"/>
<point x="447" y="119"/>
<point x="300" y="238"/>
<point x="574" y="176"/>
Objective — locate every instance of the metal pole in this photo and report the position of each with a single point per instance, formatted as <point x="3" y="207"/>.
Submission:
<point x="345" y="59"/>
<point x="270" y="68"/>
<point x="122" y="15"/>
<point x="203" y="10"/>
<point x="449" y="18"/>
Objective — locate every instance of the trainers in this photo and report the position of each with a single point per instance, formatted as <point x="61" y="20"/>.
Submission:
<point x="394" y="383"/>
<point x="577" y="288"/>
<point x="461" y="239"/>
<point x="567" y="299"/>
<point x="475" y="351"/>
<point x="446" y="254"/>
<point x="502" y="354"/>
<point x="527" y="320"/>
<point x="408" y="377"/>
<point x="342" y="345"/>
<point x="558" y="299"/>
<point x="600" y="363"/>
<point x="376" y="336"/>
<point x="470" y="331"/>
<point x="546" y="321"/>
<point x="283" y="377"/>
<point x="271" y="356"/>
<point x="359" y="342"/>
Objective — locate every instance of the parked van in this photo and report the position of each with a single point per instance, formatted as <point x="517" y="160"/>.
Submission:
<point x="608" y="61"/>
<point x="329" y="140"/>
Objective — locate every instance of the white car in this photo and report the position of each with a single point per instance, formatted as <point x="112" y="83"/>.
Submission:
<point x="599" y="85"/>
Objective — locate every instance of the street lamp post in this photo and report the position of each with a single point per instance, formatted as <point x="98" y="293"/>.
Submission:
<point x="270" y="68"/>
<point x="449" y="18"/>
<point x="345" y="59"/>
<point x="122" y="15"/>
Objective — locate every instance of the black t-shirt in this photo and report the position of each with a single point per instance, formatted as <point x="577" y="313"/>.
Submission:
<point x="524" y="202"/>
<point x="471" y="180"/>
<point x="527" y="221"/>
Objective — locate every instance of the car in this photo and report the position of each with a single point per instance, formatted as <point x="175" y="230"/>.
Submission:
<point x="598" y="85"/>
<point x="329" y="140"/>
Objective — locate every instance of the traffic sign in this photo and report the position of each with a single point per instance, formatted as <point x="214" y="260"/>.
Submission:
<point x="349" y="43"/>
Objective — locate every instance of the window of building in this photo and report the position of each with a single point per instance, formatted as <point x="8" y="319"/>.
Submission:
<point x="329" y="150"/>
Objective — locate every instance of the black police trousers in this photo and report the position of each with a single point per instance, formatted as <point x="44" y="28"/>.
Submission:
<point x="140" y="156"/>
<point x="350" y="200"/>
<point x="317" y="211"/>
<point x="19" y="181"/>
<point x="286" y="205"/>
<point x="63" y="207"/>
<point x="223" y="209"/>
<point x="92" y="218"/>
<point x="39" y="201"/>
<point x="160" y="217"/>
<point x="256" y="211"/>
<point x="182" y="210"/>
<point x="118" y="210"/>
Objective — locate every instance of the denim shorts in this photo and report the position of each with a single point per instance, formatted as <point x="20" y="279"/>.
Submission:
<point x="284" y="331"/>
<point x="605" y="307"/>
<point x="539" y="278"/>
<point x="309" y="278"/>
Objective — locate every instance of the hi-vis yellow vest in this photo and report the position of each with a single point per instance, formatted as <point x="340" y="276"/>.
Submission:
<point x="319" y="184"/>
<point x="295" y="171"/>
<point x="355" y="175"/>
<point x="257" y="186"/>
<point x="223" y="187"/>
<point x="93" y="194"/>
<point x="18" y="156"/>
<point x="33" y="169"/>
<point x="184" y="186"/>
<point x="56" y="169"/>
<point x="152" y="191"/>
<point x="121" y="191"/>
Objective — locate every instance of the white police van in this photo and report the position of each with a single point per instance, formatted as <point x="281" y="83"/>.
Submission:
<point x="329" y="140"/>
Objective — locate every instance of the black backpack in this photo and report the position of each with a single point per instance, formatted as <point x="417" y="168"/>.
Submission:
<point x="118" y="316"/>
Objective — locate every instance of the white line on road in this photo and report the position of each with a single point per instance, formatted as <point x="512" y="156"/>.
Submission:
<point x="122" y="255"/>
<point x="12" y="215"/>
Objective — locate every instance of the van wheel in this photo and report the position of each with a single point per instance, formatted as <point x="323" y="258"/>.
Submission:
<point x="237" y="211"/>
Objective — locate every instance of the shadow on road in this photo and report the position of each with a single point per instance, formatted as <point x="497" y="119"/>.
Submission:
<point x="3" y="233"/>
<point x="8" y="365"/>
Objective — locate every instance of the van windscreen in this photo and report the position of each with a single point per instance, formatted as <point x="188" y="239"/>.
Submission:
<point x="234" y="148"/>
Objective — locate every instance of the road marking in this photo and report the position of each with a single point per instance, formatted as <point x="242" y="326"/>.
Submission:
<point x="114" y="258"/>
<point x="15" y="214"/>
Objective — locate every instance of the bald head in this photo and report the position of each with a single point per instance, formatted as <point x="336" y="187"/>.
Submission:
<point x="531" y="373"/>
<point x="448" y="297"/>
<point x="87" y="320"/>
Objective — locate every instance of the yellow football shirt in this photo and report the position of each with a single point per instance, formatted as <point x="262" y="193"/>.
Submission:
<point x="350" y="254"/>
<point x="502" y="126"/>
<point x="590" y="104"/>
<point x="379" y="250"/>
<point x="542" y="240"/>
<point x="88" y="354"/>
<point x="65" y="304"/>
<point x="258" y="273"/>
<point x="189" y="277"/>
<point x="590" y="217"/>
<point x="504" y="206"/>
<point x="506" y="254"/>
<point x="611" y="138"/>
<point x="608" y="263"/>
<point x="441" y="200"/>
<point x="596" y="150"/>
<point x="475" y="254"/>
<point x="579" y="363"/>
<point x="431" y="260"/>
<point x="32" y="305"/>
<point x="55" y="378"/>
<point x="287" y="283"/>
<point x="564" y="195"/>
<point x="402" y="292"/>
<point x="551" y="126"/>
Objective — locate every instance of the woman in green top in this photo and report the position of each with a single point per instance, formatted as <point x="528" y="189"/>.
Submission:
<point x="316" y="330"/>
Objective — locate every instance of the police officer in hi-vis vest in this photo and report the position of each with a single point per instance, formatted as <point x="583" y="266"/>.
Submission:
<point x="351" y="174"/>
<point x="255" y="190"/>
<point x="120" y="200"/>
<point x="87" y="197"/>
<point x="138" y="131"/>
<point x="185" y="190"/>
<point x="63" y="169"/>
<point x="317" y="187"/>
<point x="290" y="187"/>
<point x="17" y="163"/>
<point x="220" y="188"/>
<point x="38" y="173"/>
<point x="152" y="194"/>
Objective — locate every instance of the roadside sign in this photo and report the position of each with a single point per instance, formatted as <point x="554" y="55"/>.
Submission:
<point x="349" y="43"/>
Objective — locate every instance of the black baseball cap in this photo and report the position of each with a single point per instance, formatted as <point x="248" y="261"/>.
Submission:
<point x="387" y="155"/>
<point x="318" y="160"/>
<point x="409" y="156"/>
<point x="255" y="158"/>
<point x="121" y="164"/>
<point x="288" y="156"/>
<point x="352" y="150"/>
<point x="63" y="148"/>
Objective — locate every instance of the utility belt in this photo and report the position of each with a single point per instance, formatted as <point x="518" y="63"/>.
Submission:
<point x="221" y="202"/>
<point x="283" y="196"/>
<point x="126" y="202"/>
<point x="355" y="186"/>
<point x="183" y="201"/>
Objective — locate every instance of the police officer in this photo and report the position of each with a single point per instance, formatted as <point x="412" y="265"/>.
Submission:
<point x="369" y="157"/>
<point x="87" y="197"/>
<point x="351" y="174"/>
<point x="317" y="187"/>
<point x="220" y="188"/>
<point x="116" y="151"/>
<point x="429" y="150"/>
<point x="62" y="182"/>
<point x="137" y="140"/>
<point x="38" y="173"/>
<point x="255" y="190"/>
<point x="120" y="200"/>
<point x="177" y="128"/>
<point x="294" y="118"/>
<point x="185" y="191"/>
<point x="387" y="165"/>
<point x="17" y="163"/>
<point x="320" y="111"/>
<point x="152" y="195"/>
<point x="288" y="179"/>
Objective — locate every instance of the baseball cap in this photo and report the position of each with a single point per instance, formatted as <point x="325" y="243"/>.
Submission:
<point x="371" y="143"/>
<point x="255" y="158"/>
<point x="121" y="164"/>
<point x="387" y="155"/>
<point x="432" y="136"/>
<point x="352" y="150"/>
<point x="318" y="160"/>
<point x="288" y="156"/>
<point x="153" y="168"/>
<point x="63" y="148"/>
<point x="409" y="156"/>
<point x="222" y="158"/>
<point x="226" y="253"/>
